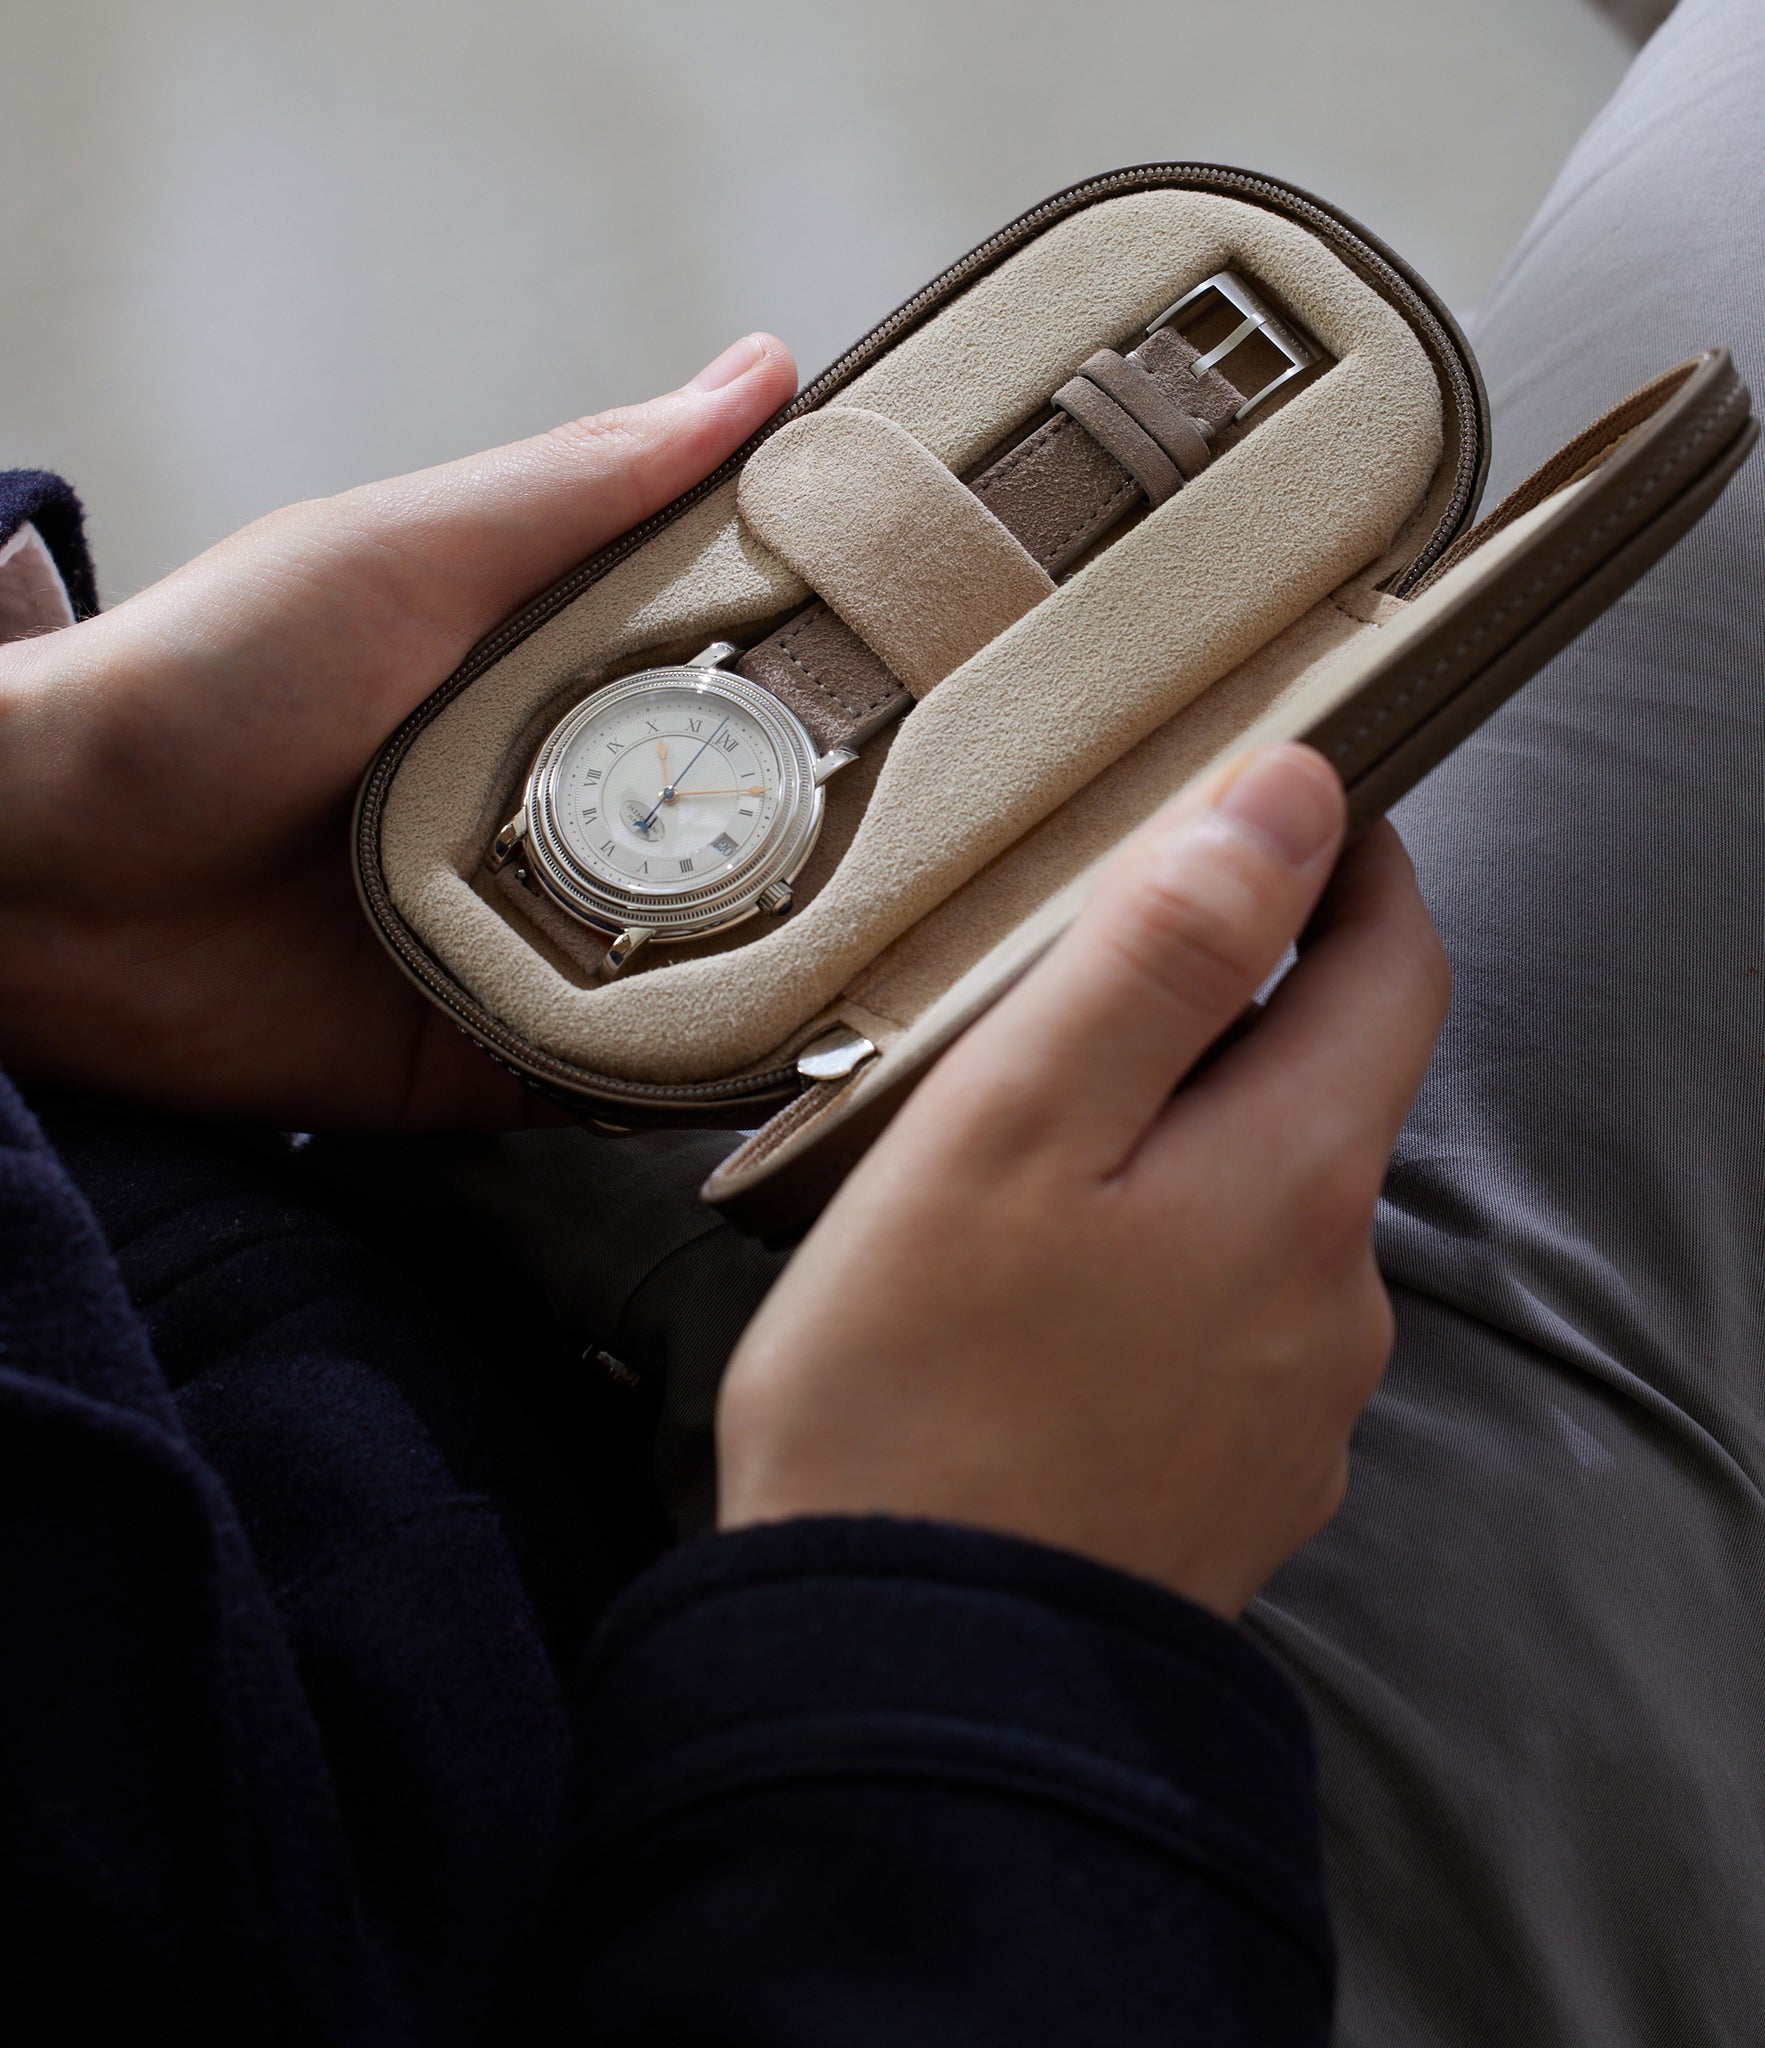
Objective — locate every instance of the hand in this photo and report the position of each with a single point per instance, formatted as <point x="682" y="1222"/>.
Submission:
<point x="177" y="917"/>
<point x="1058" y="1300"/>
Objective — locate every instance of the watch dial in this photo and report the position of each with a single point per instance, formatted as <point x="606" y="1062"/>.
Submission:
<point x="667" y="791"/>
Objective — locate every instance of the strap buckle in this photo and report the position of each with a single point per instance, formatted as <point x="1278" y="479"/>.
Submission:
<point x="1254" y="318"/>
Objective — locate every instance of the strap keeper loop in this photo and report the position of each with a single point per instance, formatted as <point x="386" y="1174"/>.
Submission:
<point x="1121" y="407"/>
<point x="1184" y="439"/>
<point x="1119" y="435"/>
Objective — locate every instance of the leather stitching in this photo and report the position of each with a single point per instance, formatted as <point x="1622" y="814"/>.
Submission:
<point x="797" y="662"/>
<point x="785" y="1123"/>
<point x="1129" y="489"/>
<point x="1115" y="429"/>
<point x="1033" y="445"/>
<point x="1553" y="572"/>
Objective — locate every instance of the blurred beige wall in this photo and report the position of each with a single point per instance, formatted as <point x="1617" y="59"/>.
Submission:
<point x="254" y="251"/>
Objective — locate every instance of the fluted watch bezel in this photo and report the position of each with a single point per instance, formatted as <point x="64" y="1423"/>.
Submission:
<point x="733" y="897"/>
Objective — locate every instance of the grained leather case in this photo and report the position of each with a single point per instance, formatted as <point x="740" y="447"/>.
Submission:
<point x="1052" y="553"/>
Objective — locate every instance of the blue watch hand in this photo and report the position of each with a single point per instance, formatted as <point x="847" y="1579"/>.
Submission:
<point x="645" y="824"/>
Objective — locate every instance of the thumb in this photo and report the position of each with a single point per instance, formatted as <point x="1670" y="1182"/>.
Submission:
<point x="489" y="531"/>
<point x="1183" y="927"/>
<point x="317" y="628"/>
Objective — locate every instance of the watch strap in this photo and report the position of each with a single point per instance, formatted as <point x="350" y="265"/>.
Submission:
<point x="1125" y="433"/>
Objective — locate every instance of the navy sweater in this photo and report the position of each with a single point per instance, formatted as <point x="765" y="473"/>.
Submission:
<point x="346" y="1698"/>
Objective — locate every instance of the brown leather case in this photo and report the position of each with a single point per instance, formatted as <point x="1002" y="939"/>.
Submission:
<point x="1106" y="610"/>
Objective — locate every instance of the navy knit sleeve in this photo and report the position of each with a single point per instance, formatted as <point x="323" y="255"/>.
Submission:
<point x="876" y="1782"/>
<point x="171" y="1857"/>
<point x="51" y="506"/>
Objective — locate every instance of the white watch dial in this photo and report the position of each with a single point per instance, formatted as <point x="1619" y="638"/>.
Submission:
<point x="666" y="792"/>
<point x="672" y="802"/>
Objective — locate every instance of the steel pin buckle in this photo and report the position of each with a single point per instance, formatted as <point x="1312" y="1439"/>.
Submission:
<point x="1257" y="319"/>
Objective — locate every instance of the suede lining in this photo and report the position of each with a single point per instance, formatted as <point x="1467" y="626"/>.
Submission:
<point x="1209" y="586"/>
<point x="958" y="961"/>
<point x="909" y="557"/>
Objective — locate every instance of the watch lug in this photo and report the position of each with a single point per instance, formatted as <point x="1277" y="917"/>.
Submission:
<point x="622" y="948"/>
<point x="715" y="655"/>
<point x="831" y="763"/>
<point x="503" y="845"/>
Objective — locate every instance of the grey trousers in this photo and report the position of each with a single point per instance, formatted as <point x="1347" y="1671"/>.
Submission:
<point x="1534" y="1639"/>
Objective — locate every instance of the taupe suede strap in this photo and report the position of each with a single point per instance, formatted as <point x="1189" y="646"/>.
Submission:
<point x="1183" y="441"/>
<point x="1057" y="491"/>
<point x="908" y="557"/>
<point x="1116" y="430"/>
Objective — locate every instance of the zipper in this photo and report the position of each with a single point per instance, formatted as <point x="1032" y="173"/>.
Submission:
<point x="1364" y="253"/>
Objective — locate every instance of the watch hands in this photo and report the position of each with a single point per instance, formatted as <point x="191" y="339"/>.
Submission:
<point x="631" y="809"/>
<point x="646" y="823"/>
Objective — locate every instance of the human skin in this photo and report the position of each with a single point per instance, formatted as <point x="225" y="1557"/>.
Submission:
<point x="1067" y="1297"/>
<point x="178" y="922"/>
<point x="1056" y="1299"/>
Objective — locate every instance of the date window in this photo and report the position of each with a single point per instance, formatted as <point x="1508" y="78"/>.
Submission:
<point x="723" y="844"/>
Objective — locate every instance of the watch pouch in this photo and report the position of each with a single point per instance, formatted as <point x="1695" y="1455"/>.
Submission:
<point x="1319" y="579"/>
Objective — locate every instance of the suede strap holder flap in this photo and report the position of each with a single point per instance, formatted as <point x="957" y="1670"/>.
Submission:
<point x="1056" y="491"/>
<point x="890" y="539"/>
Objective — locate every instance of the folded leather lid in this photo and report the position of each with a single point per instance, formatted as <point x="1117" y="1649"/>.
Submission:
<point x="1513" y="593"/>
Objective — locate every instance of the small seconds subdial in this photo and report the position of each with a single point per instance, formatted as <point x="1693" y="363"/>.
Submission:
<point x="668" y="792"/>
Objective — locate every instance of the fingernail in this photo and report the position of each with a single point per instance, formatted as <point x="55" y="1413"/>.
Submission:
<point x="735" y="361"/>
<point x="1281" y="799"/>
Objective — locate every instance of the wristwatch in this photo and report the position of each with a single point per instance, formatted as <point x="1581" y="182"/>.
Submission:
<point x="677" y="802"/>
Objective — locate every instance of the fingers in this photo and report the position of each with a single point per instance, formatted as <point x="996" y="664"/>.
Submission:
<point x="1355" y="1023"/>
<point x="499" y="527"/>
<point x="1182" y="929"/>
<point x="1330" y="1070"/>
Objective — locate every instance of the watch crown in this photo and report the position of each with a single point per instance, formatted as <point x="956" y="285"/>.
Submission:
<point x="775" y="897"/>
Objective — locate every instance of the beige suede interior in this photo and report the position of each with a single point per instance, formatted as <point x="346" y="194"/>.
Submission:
<point x="955" y="963"/>
<point x="1206" y="617"/>
<point x="911" y="559"/>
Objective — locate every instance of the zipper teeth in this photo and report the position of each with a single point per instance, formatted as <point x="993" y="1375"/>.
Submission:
<point x="526" y="1060"/>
